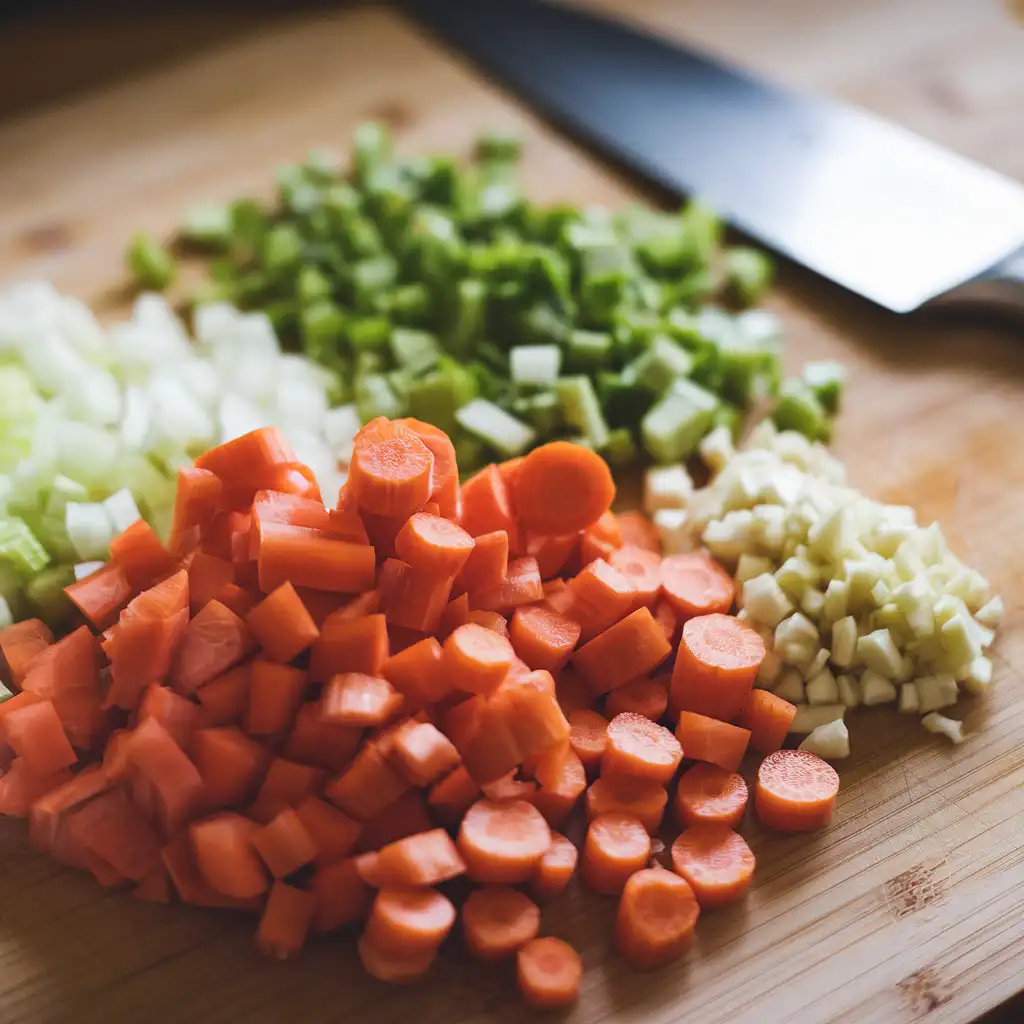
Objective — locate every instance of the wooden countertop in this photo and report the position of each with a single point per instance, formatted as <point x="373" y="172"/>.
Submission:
<point x="908" y="906"/>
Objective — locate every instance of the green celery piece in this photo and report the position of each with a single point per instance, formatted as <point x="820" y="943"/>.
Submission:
<point x="410" y="305"/>
<point x="296" y="192"/>
<point x="748" y="368"/>
<point x="322" y="326"/>
<point x="470" y="315"/>
<point x="19" y="399"/>
<point x="437" y="250"/>
<point x="361" y="239"/>
<point x="367" y="362"/>
<point x="413" y="350"/>
<point x="498" y="201"/>
<point x="634" y="330"/>
<point x="490" y="384"/>
<point x="12" y="585"/>
<point x="729" y="416"/>
<point x="438" y="178"/>
<point x="666" y="252"/>
<point x="282" y="249"/>
<point x="284" y="315"/>
<point x="436" y="395"/>
<point x="500" y="146"/>
<point x="371" y="279"/>
<point x="620" y="448"/>
<point x="151" y="265"/>
<point x="587" y="351"/>
<point x="5" y="694"/>
<point x="549" y="226"/>
<point x="748" y="273"/>
<point x="798" y="409"/>
<point x="695" y="287"/>
<point x="541" y="324"/>
<point x="20" y="548"/>
<point x="624" y="404"/>
<point x="548" y="276"/>
<point x="826" y="379"/>
<point x="249" y="223"/>
<point x="374" y="397"/>
<point x="371" y="143"/>
<point x="581" y="409"/>
<point x="368" y="333"/>
<point x="45" y="591"/>
<point x="311" y="285"/>
<point x="702" y="230"/>
<point x="674" y="426"/>
<point x="662" y="363"/>
<point x="341" y="202"/>
<point x="543" y="411"/>
<point x="208" y="225"/>
<point x="390" y="199"/>
<point x="498" y="429"/>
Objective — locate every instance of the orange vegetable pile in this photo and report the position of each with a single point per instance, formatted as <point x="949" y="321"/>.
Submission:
<point x="324" y="715"/>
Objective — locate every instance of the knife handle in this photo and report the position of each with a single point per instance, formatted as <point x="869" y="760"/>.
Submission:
<point x="999" y="290"/>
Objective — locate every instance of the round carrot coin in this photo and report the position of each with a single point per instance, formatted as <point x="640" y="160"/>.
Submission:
<point x="561" y="488"/>
<point x="502" y="841"/>
<point x="796" y="791"/>
<point x="695" y="584"/>
<point x="715" y="861"/>
<point x="549" y="971"/>
<point x="497" y="920"/>
<point x="640" y="748"/>
<point x="656" y="918"/>
<point x="617" y="846"/>
<point x="708" y="794"/>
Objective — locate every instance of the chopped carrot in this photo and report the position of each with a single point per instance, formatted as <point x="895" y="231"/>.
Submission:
<point x="241" y="462"/>
<point x="572" y="692"/>
<point x="223" y="851"/>
<point x="308" y="558"/>
<point x="617" y="846"/>
<point x="562" y="780"/>
<point x="223" y="701"/>
<point x="413" y="598"/>
<point x="315" y="742"/>
<point x="141" y="557"/>
<point x="445" y="481"/>
<point x="367" y="786"/>
<point x="207" y="576"/>
<point x="543" y="639"/>
<point x="390" y="473"/>
<point x="407" y="816"/>
<point x="394" y="967"/>
<point x="796" y="791"/>
<point x="487" y="506"/>
<point x="528" y="704"/>
<point x="588" y="738"/>
<point x="286" y="920"/>
<point x="665" y="616"/>
<point x="284" y="844"/>
<point x="101" y="595"/>
<point x="553" y="552"/>
<point x="647" y="696"/>
<point x="715" y="861"/>
<point x="334" y="834"/>
<point x="179" y="716"/>
<point x="423" y="859"/>
<point x="601" y="596"/>
<point x="475" y="659"/>
<point x="154" y="887"/>
<point x="189" y="883"/>
<point x="509" y="787"/>
<point x="210" y="644"/>
<point x="409" y="920"/>
<point x="695" y="584"/>
<point x="178" y="790"/>
<point x="360" y="700"/>
<point x="656" y="919"/>
<point x="601" y="539"/>
<point x="497" y="921"/>
<point x="231" y="765"/>
<point x="197" y="500"/>
<point x="35" y="733"/>
<point x="509" y="470"/>
<point x="340" y="895"/>
<point x="637" y="530"/>
<point x="548" y="970"/>
<point x="19" y="646"/>
<point x="452" y="796"/>
<point x="456" y="613"/>
<point x="50" y="810"/>
<point x="709" y="795"/>
<point x="422" y="753"/>
<point x="21" y="788"/>
<point x="554" y="869"/>
<point x="238" y="599"/>
<point x="275" y="507"/>
<point x="486" y="566"/>
<point x="522" y="586"/>
<point x="640" y="748"/>
<point x="432" y="544"/>
<point x="768" y="718"/>
<point x="281" y="624"/>
<point x="494" y="621"/>
<point x="632" y="647"/>
<point x="115" y="755"/>
<point x="562" y="487"/>
<point x="716" y="665"/>
<point x="644" y="570"/>
<point x="557" y="597"/>
<point x="322" y="603"/>
<point x="502" y="842"/>
<point x="348" y="644"/>
<point x="707" y="739"/>
<point x="415" y="673"/>
<point x="284" y="785"/>
<point x="641" y="798"/>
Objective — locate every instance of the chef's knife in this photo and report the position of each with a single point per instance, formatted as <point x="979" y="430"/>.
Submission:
<point x="867" y="204"/>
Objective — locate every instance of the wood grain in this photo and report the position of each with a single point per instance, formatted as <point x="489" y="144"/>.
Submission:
<point x="909" y="906"/>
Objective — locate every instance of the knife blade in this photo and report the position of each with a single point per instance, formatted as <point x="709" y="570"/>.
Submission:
<point x="865" y="203"/>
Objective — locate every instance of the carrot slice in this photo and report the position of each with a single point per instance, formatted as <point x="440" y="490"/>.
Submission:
<point x="475" y="659"/>
<point x="553" y="552"/>
<point x="207" y="576"/>
<point x="396" y="968"/>
<point x="548" y="971"/>
<point x="286" y="920"/>
<point x="433" y="544"/>
<point x="223" y="851"/>
<point x="572" y="692"/>
<point x="210" y="644"/>
<point x="695" y="584"/>
<point x="19" y="646"/>
<point x="487" y="505"/>
<point x="707" y="739"/>
<point x="456" y="613"/>
<point x="390" y="473"/>
<point x="494" y="621"/>
<point x="348" y="644"/>
<point x="405" y="817"/>
<point x="180" y="717"/>
<point x="241" y="462"/>
<point x="709" y="795"/>
<point x="271" y="506"/>
<point x="562" y="780"/>
<point x="36" y="735"/>
<point x="640" y="748"/>
<point x="281" y="624"/>
<point x="640" y="798"/>
<point x="498" y="920"/>
<point x="485" y="568"/>
<point x="527" y="700"/>
<point x="502" y="842"/>
<point x="716" y="666"/>
<point x="309" y="558"/>
<point x="231" y="765"/>
<point x="644" y="570"/>
<point x="601" y="596"/>
<point x="284" y="844"/>
<point x="101" y="595"/>
<point x="543" y="639"/>
<point x="632" y="647"/>
<point x="50" y="811"/>
<point x="413" y="598"/>
<point x="197" y="500"/>
<point x="177" y="788"/>
<point x="316" y="742"/>
<point x="617" y="845"/>
<point x="223" y="701"/>
<point x="141" y="557"/>
<point x="341" y="897"/>
<point x="285" y="784"/>
<point x="554" y="869"/>
<point x="452" y="796"/>
<point x="21" y="788"/>
<point x="522" y="586"/>
<point x="795" y="791"/>
<point x="445" y="482"/>
<point x="334" y="834"/>
<point x="601" y="539"/>
<point x="637" y="530"/>
<point x="415" y="673"/>
<point x="588" y="738"/>
<point x="656" y="919"/>
<point x="409" y="920"/>
<point x="423" y="859"/>
<point x="768" y="718"/>
<point x="665" y="615"/>
<point x="367" y="786"/>
<point x="361" y="700"/>
<point x="715" y="861"/>
<point x="647" y="696"/>
<point x="190" y="885"/>
<point x="562" y="487"/>
<point x="422" y="753"/>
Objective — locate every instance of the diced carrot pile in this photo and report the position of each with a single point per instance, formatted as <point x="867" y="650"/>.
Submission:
<point x="321" y="715"/>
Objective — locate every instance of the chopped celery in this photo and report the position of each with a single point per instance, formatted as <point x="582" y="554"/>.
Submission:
<point x="582" y="410"/>
<point x="436" y="396"/>
<point x="150" y="263"/>
<point x="624" y="404"/>
<point x="542" y="411"/>
<point x="535" y="364"/>
<point x="416" y="351"/>
<point x="45" y="591"/>
<point x="826" y="380"/>
<point x="374" y="397"/>
<point x="748" y="272"/>
<point x="662" y="363"/>
<point x="208" y="225"/>
<point x="673" y="427"/>
<point x="798" y="409"/>
<point x="620" y="448"/>
<point x="495" y="427"/>
<point x="587" y="350"/>
<point x="19" y="547"/>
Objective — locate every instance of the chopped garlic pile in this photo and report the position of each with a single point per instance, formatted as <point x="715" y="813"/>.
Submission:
<point x="857" y="603"/>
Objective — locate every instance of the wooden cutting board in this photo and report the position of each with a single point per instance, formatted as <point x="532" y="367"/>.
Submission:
<point x="909" y="906"/>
